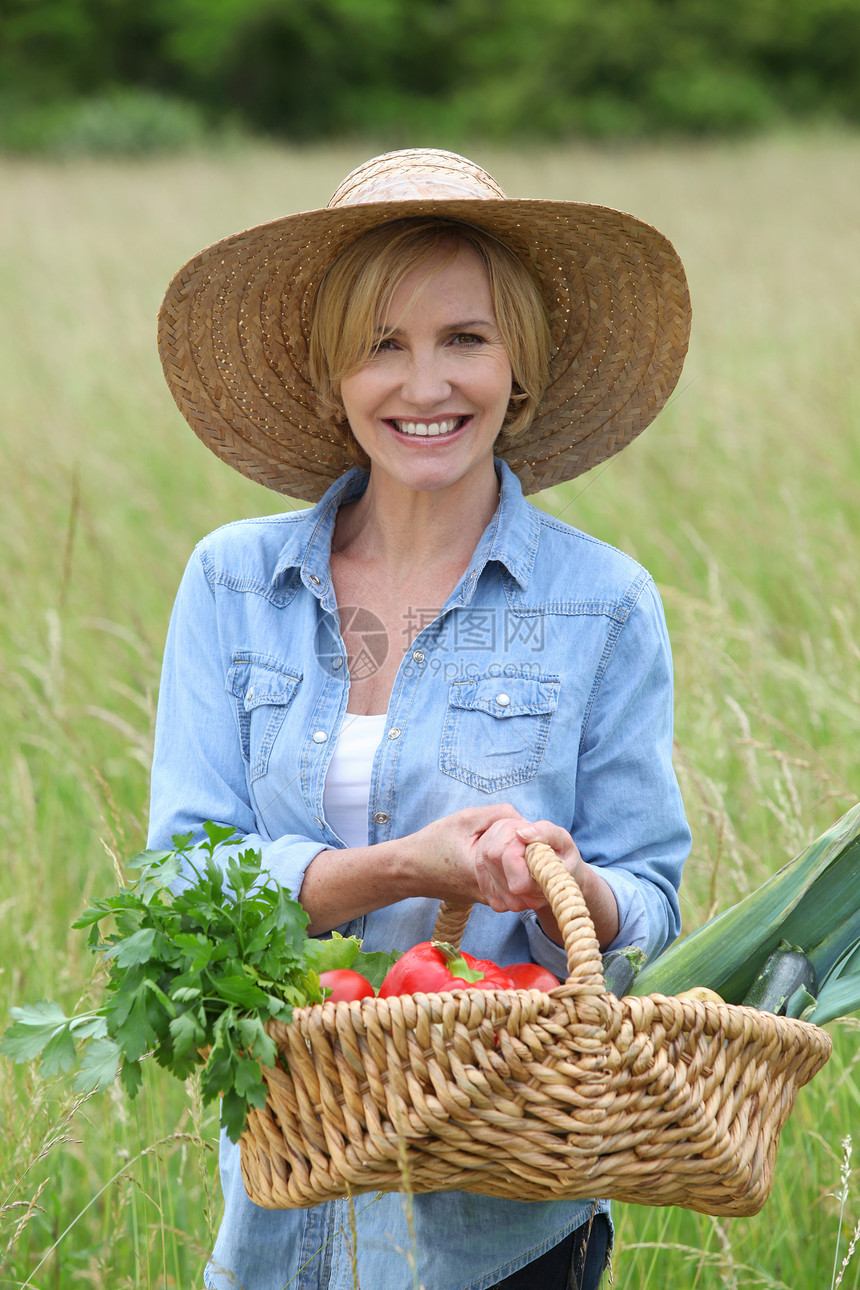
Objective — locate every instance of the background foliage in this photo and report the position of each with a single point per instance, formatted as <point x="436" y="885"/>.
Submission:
<point x="121" y="75"/>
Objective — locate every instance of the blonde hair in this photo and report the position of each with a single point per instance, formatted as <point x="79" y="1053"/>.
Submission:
<point x="359" y="285"/>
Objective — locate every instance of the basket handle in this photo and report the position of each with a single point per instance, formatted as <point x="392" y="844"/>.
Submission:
<point x="451" y="923"/>
<point x="584" y="964"/>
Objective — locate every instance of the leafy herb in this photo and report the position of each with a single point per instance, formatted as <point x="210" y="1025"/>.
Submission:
<point x="202" y="955"/>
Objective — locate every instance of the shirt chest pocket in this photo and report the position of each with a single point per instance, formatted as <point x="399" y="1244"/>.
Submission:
<point x="263" y="690"/>
<point x="496" y="729"/>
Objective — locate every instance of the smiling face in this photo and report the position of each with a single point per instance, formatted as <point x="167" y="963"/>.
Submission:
<point x="428" y="405"/>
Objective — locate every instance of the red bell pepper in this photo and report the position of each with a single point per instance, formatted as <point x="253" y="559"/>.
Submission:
<point x="432" y="967"/>
<point x="531" y="976"/>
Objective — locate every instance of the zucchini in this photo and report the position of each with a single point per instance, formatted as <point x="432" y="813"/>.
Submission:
<point x="620" y="968"/>
<point x="786" y="971"/>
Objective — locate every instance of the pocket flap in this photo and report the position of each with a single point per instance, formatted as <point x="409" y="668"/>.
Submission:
<point x="506" y="696"/>
<point x="257" y="681"/>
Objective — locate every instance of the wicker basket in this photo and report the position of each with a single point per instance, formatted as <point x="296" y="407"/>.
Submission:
<point x="529" y="1095"/>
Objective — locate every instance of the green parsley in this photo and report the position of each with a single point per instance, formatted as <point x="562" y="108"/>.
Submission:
<point x="200" y="956"/>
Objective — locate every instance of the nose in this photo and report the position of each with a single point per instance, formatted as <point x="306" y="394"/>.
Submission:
<point x="426" y="382"/>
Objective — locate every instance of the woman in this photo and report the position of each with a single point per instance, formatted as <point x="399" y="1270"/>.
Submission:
<point x="392" y="692"/>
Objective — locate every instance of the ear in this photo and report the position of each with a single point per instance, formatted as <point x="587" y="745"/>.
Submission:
<point x="513" y="408"/>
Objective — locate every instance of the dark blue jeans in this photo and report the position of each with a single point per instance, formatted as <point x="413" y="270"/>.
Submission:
<point x="576" y="1263"/>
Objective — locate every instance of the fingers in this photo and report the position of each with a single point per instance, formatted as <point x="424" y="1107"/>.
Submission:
<point x="504" y="877"/>
<point x="506" y="884"/>
<point x="545" y="831"/>
<point x="555" y="836"/>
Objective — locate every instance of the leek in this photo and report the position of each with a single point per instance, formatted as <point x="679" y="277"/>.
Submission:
<point x="836" y="998"/>
<point x="813" y="902"/>
<point x="840" y="991"/>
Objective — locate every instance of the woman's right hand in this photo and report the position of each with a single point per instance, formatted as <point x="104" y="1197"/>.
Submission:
<point x="447" y="858"/>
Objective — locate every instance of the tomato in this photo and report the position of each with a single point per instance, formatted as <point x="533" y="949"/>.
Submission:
<point x="343" y="985"/>
<point x="531" y="976"/>
<point x="435" y="966"/>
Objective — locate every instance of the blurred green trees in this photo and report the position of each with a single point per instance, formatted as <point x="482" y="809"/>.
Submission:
<point x="306" y="69"/>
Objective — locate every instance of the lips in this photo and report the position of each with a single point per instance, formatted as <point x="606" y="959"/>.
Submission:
<point x="430" y="429"/>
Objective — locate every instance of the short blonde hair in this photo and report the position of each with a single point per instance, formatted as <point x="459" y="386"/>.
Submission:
<point x="359" y="285"/>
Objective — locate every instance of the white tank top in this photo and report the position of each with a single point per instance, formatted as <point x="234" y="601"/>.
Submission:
<point x="347" y="782"/>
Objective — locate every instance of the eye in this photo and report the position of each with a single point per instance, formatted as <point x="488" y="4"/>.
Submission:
<point x="467" y="338"/>
<point x="383" y="344"/>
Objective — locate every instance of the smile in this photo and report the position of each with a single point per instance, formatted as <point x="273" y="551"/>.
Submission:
<point x="433" y="428"/>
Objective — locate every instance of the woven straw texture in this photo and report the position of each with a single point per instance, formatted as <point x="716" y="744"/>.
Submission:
<point x="531" y="1096"/>
<point x="234" y="325"/>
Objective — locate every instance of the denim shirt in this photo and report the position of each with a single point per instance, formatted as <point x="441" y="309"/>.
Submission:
<point x="545" y="681"/>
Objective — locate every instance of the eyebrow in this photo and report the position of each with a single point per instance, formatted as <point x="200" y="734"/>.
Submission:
<point x="469" y="325"/>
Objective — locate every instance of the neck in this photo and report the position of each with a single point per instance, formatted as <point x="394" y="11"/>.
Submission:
<point x="403" y="530"/>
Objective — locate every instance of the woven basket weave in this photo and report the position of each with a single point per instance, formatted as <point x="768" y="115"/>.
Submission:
<point x="528" y="1095"/>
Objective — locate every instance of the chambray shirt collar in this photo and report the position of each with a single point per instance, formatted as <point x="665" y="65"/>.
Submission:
<point x="308" y="547"/>
<point x="511" y="537"/>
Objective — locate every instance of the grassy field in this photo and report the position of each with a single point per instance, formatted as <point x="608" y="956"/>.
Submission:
<point x="741" y="499"/>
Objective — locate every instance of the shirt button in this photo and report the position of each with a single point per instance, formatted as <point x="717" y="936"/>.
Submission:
<point x="503" y="700"/>
<point x="318" y="821"/>
<point x="249" y="694"/>
<point x="418" y="656"/>
<point x="337" y="662"/>
<point x="394" y="732"/>
<point x="381" y="817"/>
<point x="319" y="736"/>
<point x="315" y="580"/>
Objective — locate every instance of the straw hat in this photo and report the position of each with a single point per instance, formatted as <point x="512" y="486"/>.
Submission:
<point x="234" y="325"/>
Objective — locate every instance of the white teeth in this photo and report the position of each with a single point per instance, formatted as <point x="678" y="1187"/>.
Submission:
<point x="434" y="428"/>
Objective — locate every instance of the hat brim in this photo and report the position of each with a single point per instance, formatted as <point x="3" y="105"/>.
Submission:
<point x="234" y="325"/>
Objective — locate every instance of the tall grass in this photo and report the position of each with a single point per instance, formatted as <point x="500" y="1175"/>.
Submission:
<point x="742" y="500"/>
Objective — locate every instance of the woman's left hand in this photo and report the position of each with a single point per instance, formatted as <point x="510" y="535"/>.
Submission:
<point x="507" y="884"/>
